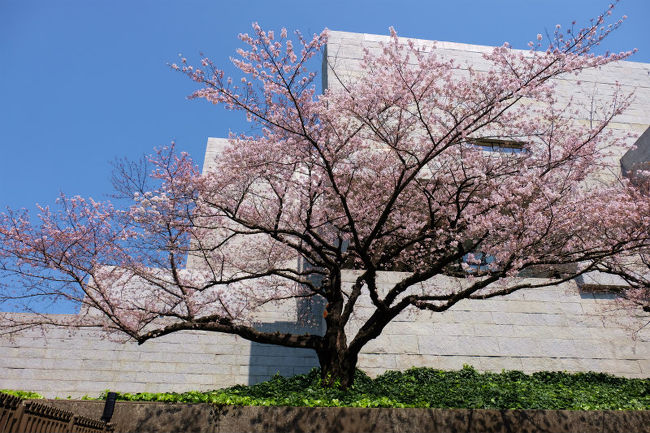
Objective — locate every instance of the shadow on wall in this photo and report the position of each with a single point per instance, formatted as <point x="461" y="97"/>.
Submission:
<point x="267" y="360"/>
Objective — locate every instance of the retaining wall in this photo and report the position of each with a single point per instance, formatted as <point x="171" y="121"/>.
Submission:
<point x="163" y="418"/>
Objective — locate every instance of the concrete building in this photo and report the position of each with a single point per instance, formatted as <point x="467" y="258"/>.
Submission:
<point x="554" y="328"/>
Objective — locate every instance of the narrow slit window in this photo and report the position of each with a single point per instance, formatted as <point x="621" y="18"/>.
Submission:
<point x="495" y="145"/>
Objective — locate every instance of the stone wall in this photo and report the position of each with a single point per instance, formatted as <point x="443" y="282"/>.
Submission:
<point x="142" y="417"/>
<point x="553" y="328"/>
<point x="550" y="328"/>
<point x="86" y="362"/>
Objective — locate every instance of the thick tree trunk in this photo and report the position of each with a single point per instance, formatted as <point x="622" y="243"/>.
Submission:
<point x="337" y="363"/>
<point x="337" y="368"/>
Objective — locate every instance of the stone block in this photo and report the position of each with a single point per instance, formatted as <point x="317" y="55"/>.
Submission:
<point x="554" y="348"/>
<point x="255" y="370"/>
<point x="31" y="342"/>
<point x="373" y="372"/>
<point x="593" y="348"/>
<point x="499" y="363"/>
<point x="194" y="379"/>
<point x="209" y="369"/>
<point x="586" y="320"/>
<point x="150" y="376"/>
<point x="492" y="330"/>
<point x="459" y="345"/>
<point x="531" y="364"/>
<point x="377" y="361"/>
<point x="89" y="354"/>
<point x="541" y="307"/>
<point x="456" y="362"/>
<point x="621" y="367"/>
<point x="407" y="361"/>
<point x="125" y="376"/>
<point x="472" y="317"/>
<point x="13" y="363"/>
<point x="97" y="364"/>
<point x="63" y="364"/>
<point x="451" y="329"/>
<point x="228" y="347"/>
<point x="525" y="319"/>
<point x="158" y="357"/>
<point x="541" y="331"/>
<point x="518" y="347"/>
<point x="78" y="375"/>
<point x="17" y="352"/>
<point x="392" y="344"/>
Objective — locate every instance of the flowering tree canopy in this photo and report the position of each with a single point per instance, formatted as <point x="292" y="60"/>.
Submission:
<point x="419" y="164"/>
<point x="633" y="268"/>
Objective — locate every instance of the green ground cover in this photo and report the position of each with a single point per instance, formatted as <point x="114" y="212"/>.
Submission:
<point x="22" y="394"/>
<point x="425" y="387"/>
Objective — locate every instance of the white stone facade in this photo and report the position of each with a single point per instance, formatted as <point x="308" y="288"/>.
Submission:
<point x="552" y="328"/>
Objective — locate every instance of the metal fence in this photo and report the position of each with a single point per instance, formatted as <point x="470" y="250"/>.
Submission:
<point x="28" y="416"/>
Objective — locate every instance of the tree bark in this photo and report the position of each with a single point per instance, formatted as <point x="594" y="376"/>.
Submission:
<point x="337" y="368"/>
<point x="337" y="362"/>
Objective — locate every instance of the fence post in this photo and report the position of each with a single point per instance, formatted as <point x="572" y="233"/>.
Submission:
<point x="109" y="407"/>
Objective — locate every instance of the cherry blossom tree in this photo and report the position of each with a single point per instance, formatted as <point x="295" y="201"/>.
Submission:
<point x="419" y="164"/>
<point x="634" y="268"/>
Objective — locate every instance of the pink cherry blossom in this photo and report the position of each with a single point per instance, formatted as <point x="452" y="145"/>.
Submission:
<point x="395" y="168"/>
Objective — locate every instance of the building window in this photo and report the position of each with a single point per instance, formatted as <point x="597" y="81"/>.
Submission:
<point x="496" y="145"/>
<point x="596" y="284"/>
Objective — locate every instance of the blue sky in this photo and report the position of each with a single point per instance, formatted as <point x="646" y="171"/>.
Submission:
<point x="85" y="81"/>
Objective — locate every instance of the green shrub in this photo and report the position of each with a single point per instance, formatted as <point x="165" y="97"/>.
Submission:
<point x="22" y="394"/>
<point x="426" y="387"/>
